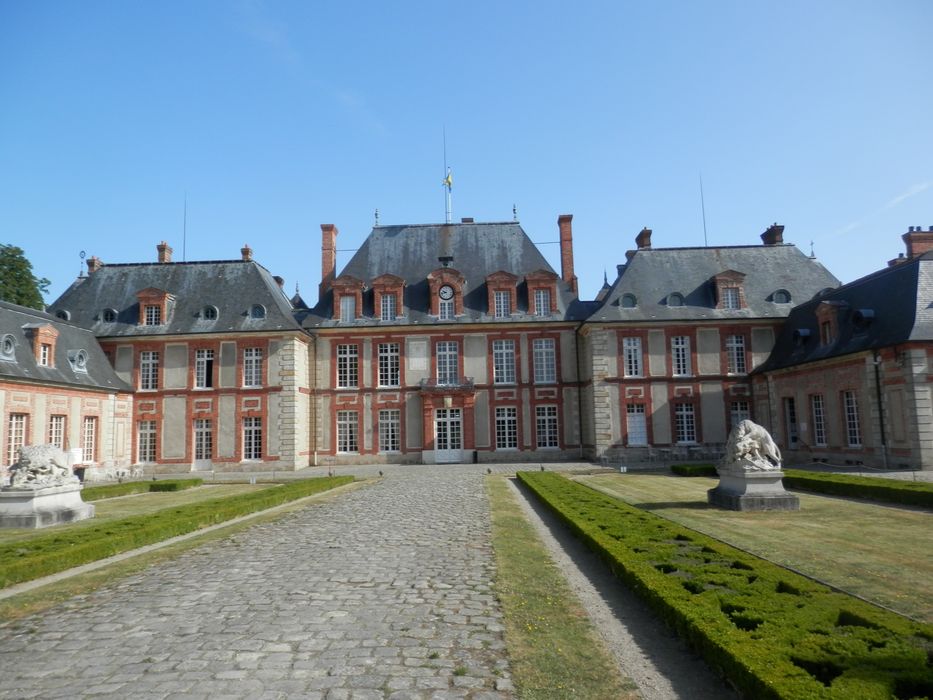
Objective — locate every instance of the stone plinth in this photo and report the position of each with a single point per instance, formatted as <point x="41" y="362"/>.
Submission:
<point x="752" y="490"/>
<point x="43" y="507"/>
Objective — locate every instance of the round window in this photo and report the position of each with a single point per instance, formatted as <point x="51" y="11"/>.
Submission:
<point x="209" y="313"/>
<point x="110" y="315"/>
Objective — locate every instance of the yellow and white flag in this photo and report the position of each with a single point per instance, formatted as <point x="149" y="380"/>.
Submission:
<point x="449" y="180"/>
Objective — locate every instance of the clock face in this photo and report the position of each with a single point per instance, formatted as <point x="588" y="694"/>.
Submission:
<point x="446" y="292"/>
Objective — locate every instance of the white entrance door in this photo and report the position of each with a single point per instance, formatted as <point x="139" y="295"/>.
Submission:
<point x="203" y="443"/>
<point x="448" y="435"/>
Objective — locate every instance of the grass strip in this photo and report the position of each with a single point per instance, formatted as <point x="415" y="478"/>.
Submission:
<point x="772" y="633"/>
<point x="30" y="559"/>
<point x="96" y="493"/>
<point x="553" y="649"/>
<point x="694" y="469"/>
<point x="870" y="488"/>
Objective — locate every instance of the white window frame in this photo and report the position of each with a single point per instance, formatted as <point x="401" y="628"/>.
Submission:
<point x="853" y="427"/>
<point x="389" y="364"/>
<point x="148" y="370"/>
<point x="16" y="436"/>
<point x="818" y="416"/>
<point x="448" y="362"/>
<point x="739" y="410"/>
<point x="542" y="302"/>
<point x="639" y="437"/>
<point x="446" y="309"/>
<point x="252" y="438"/>
<point x="503" y="303"/>
<point x="685" y="423"/>
<point x="348" y="432"/>
<point x="203" y="438"/>
<point x="503" y="362"/>
<point x="252" y="367"/>
<point x="544" y="360"/>
<point x="57" y="433"/>
<point x="388" y="312"/>
<point x="146" y="441"/>
<point x="390" y="428"/>
<point x="547" y="428"/>
<point x="153" y="315"/>
<point x="203" y="369"/>
<point x="506" y="428"/>
<point x="45" y="354"/>
<point x="348" y="366"/>
<point x="631" y="349"/>
<point x="347" y="308"/>
<point x="731" y="298"/>
<point x="680" y="356"/>
<point x="736" y="359"/>
<point x="89" y="439"/>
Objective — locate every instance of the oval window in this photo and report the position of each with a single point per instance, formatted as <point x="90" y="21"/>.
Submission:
<point x="110" y="315"/>
<point x="258" y="311"/>
<point x="629" y="301"/>
<point x="209" y="313"/>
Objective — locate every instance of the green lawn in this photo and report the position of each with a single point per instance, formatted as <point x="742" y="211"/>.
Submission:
<point x="881" y="553"/>
<point x="138" y="504"/>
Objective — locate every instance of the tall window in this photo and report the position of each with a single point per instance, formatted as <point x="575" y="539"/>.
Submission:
<point x="680" y="350"/>
<point x="503" y="361"/>
<point x="252" y="438"/>
<point x="546" y="424"/>
<point x="203" y="369"/>
<point x="45" y="355"/>
<point x="389" y="429"/>
<point x="89" y="440"/>
<point x="148" y="370"/>
<point x="203" y="438"/>
<point x="57" y="431"/>
<point x="347" y="366"/>
<point x="735" y="354"/>
<point x="818" y="418"/>
<point x="545" y="360"/>
<point x="146" y="441"/>
<point x="506" y="428"/>
<point x="685" y="422"/>
<point x="445" y="309"/>
<point x="16" y="437"/>
<point x="388" y="311"/>
<point x="826" y="333"/>
<point x="542" y="302"/>
<point x="347" y="308"/>
<point x="738" y="411"/>
<point x="448" y="369"/>
<point x="347" y="432"/>
<point x="636" y="424"/>
<point x="252" y="367"/>
<point x="631" y="348"/>
<point x="730" y="298"/>
<point x="853" y="429"/>
<point x="503" y="302"/>
<point x="153" y="315"/>
<point x="389" y="374"/>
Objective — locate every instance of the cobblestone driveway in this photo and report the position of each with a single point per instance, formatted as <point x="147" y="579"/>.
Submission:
<point x="383" y="592"/>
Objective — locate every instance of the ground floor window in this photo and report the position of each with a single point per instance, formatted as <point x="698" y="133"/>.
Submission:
<point x="57" y="431"/>
<point x="818" y="417"/>
<point x="738" y="411"/>
<point x="146" y="441"/>
<point x="685" y="423"/>
<point x="89" y="440"/>
<point x="636" y="425"/>
<point x="853" y="429"/>
<point x="546" y="424"/>
<point x="203" y="438"/>
<point x="16" y="437"/>
<point x="347" y="432"/>
<point x="252" y="438"/>
<point x="389" y="428"/>
<point x="506" y="428"/>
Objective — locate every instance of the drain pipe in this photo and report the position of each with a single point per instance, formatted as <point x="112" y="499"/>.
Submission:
<point x="876" y="361"/>
<point x="576" y="346"/>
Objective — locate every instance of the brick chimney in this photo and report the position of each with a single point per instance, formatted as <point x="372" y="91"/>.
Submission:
<point x="328" y="256"/>
<point x="566" y="251"/>
<point x="165" y="252"/>
<point x="94" y="264"/>
<point x="918" y="241"/>
<point x="643" y="239"/>
<point x="246" y="252"/>
<point x="774" y="235"/>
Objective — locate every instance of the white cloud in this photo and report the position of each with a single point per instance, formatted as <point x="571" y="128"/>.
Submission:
<point x="256" y="22"/>
<point x="911" y="191"/>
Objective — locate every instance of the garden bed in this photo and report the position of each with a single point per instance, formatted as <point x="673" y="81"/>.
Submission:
<point x="870" y="488"/>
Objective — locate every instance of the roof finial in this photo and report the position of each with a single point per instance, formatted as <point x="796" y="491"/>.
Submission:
<point x="605" y="277"/>
<point x="296" y="288"/>
<point x="377" y="216"/>
<point x="812" y="254"/>
<point x="514" y="213"/>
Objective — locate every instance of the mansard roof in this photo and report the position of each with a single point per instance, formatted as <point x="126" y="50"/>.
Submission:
<point x="652" y="275"/>
<point x="15" y="320"/>
<point x="232" y="287"/>
<point x="475" y="250"/>
<point x="885" y="308"/>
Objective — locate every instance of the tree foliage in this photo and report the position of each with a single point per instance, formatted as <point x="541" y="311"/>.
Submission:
<point x="18" y="285"/>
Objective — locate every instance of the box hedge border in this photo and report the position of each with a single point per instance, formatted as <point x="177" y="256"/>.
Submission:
<point x="96" y="493"/>
<point x="694" y="469"/>
<point x="57" y="551"/>
<point x="772" y="633"/>
<point x="871" y="488"/>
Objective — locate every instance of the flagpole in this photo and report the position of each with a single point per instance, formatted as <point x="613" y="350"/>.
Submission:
<point x="447" y="181"/>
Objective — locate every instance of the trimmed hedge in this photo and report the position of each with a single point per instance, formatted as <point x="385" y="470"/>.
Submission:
<point x="57" y="551"/>
<point x="910" y="493"/>
<point x="694" y="469"/>
<point x="96" y="493"/>
<point x="772" y="633"/>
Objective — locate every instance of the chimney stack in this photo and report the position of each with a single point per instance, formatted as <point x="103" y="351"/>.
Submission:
<point x="918" y="241"/>
<point x="246" y="252"/>
<point x="643" y="239"/>
<point x="566" y="251"/>
<point x="94" y="264"/>
<point x="774" y="235"/>
<point x="328" y="256"/>
<point x="165" y="252"/>
<point x="466" y="220"/>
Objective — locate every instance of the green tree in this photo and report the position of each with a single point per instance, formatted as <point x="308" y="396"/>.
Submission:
<point x="17" y="283"/>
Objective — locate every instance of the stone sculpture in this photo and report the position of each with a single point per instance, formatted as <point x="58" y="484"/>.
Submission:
<point x="41" y="466"/>
<point x="43" y="490"/>
<point x="750" y="446"/>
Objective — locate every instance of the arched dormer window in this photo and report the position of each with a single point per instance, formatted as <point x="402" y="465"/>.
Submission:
<point x="109" y="315"/>
<point x="63" y="315"/>
<point x="446" y="293"/>
<point x="8" y="348"/>
<point x="388" y="295"/>
<point x="675" y="299"/>
<point x="730" y="290"/>
<point x="781" y="296"/>
<point x="542" y="292"/>
<point x="154" y="306"/>
<point x="257" y="311"/>
<point x="501" y="293"/>
<point x="209" y="313"/>
<point x="348" y="298"/>
<point x="629" y="301"/>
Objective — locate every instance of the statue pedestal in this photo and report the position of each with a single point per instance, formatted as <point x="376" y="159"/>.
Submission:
<point x="43" y="507"/>
<point x="751" y="490"/>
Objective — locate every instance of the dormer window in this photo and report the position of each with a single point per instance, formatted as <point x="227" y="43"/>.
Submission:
<point x="446" y="293"/>
<point x="503" y="303"/>
<point x="542" y="292"/>
<point x="542" y="302"/>
<point x="209" y="313"/>
<point x="501" y="290"/>
<point x="153" y="315"/>
<point x="347" y="309"/>
<point x="629" y="301"/>
<point x="78" y="360"/>
<point x="730" y="292"/>
<point x="109" y="315"/>
<point x="675" y="299"/>
<point x="154" y="305"/>
<point x="387" y="311"/>
<point x="827" y="314"/>
<point x="257" y="311"/>
<point x="730" y="298"/>
<point x="387" y="296"/>
<point x="348" y="298"/>
<point x="826" y="333"/>
<point x="45" y="354"/>
<point x="781" y="296"/>
<point x="43" y="338"/>
<point x="63" y="315"/>
<point x="8" y="349"/>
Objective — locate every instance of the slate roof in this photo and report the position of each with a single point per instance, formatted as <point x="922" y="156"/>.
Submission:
<point x="412" y="251"/>
<point x="14" y="320"/>
<point x="653" y="274"/>
<point x="232" y="286"/>
<point x="899" y="297"/>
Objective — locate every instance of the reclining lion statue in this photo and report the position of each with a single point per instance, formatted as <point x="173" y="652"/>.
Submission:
<point x="752" y="445"/>
<point x="41" y="466"/>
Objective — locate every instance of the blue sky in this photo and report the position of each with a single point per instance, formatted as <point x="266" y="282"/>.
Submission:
<point x="276" y="117"/>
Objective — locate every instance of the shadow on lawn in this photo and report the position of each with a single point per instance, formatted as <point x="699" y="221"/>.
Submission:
<point x="688" y="505"/>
